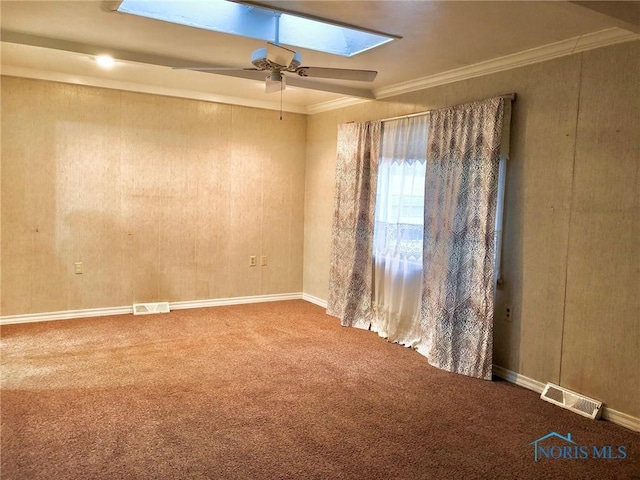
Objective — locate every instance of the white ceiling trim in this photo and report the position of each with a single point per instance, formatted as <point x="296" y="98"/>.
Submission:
<point x="14" y="71"/>
<point x="563" y="48"/>
<point x="335" y="104"/>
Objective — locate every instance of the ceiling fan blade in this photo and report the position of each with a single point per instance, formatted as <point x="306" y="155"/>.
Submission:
<point x="302" y="82"/>
<point x="279" y="55"/>
<point x="216" y="69"/>
<point x="337" y="73"/>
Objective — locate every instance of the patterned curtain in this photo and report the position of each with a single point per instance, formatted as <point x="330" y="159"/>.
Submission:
<point x="350" y="274"/>
<point x="458" y="257"/>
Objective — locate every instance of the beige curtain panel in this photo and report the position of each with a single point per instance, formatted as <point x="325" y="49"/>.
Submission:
<point x="461" y="186"/>
<point x="353" y="219"/>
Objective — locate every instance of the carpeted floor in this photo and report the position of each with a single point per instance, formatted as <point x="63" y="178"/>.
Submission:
<point x="268" y="391"/>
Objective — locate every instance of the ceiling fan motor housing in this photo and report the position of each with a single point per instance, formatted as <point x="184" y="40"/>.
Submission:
<point x="260" y="61"/>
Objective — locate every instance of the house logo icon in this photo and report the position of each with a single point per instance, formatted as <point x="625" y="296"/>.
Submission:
<point x="557" y="447"/>
<point x="537" y="447"/>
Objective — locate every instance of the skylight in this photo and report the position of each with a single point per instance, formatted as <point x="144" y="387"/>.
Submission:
<point x="260" y="23"/>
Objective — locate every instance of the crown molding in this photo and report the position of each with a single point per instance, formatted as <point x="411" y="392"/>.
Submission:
<point x="550" y="51"/>
<point x="603" y="38"/>
<point x="13" y="71"/>
<point x="335" y="104"/>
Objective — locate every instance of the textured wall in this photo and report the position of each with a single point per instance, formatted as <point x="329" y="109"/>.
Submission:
<point x="571" y="262"/>
<point x="160" y="198"/>
<point x="602" y="305"/>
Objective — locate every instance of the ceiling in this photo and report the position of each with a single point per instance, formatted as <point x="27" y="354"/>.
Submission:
<point x="442" y="41"/>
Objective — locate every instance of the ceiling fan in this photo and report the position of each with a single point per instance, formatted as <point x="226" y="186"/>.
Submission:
<point x="278" y="60"/>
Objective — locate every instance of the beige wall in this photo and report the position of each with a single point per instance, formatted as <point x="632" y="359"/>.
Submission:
<point x="571" y="257"/>
<point x="162" y="199"/>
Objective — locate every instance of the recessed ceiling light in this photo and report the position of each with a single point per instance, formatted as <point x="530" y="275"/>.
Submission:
<point x="105" y="61"/>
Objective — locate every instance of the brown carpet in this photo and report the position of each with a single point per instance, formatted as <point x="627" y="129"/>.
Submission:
<point x="267" y="391"/>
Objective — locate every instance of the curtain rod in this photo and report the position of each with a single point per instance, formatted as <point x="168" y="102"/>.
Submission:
<point x="508" y="96"/>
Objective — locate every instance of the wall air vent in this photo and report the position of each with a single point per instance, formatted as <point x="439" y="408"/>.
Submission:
<point x="147" y="308"/>
<point x="585" y="406"/>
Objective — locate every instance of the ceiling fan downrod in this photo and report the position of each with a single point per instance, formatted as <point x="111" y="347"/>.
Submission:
<point x="276" y="28"/>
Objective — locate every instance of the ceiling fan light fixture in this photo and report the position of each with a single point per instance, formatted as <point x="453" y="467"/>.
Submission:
<point x="275" y="82"/>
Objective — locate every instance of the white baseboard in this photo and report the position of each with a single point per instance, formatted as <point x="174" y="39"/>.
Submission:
<point x="102" y="312"/>
<point x="315" y="300"/>
<point x="619" y="418"/>
<point x="614" y="416"/>
<point x="65" y="315"/>
<point x="520" y="380"/>
<point x="219" y="302"/>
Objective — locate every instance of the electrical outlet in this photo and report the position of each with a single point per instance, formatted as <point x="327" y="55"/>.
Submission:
<point x="252" y="261"/>
<point x="508" y="313"/>
<point x="263" y="260"/>
<point x="79" y="268"/>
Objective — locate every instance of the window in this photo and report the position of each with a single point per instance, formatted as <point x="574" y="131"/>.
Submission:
<point x="400" y="196"/>
<point x="261" y="23"/>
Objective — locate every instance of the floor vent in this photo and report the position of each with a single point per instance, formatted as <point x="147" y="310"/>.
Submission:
<point x="147" y="308"/>
<point x="573" y="401"/>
